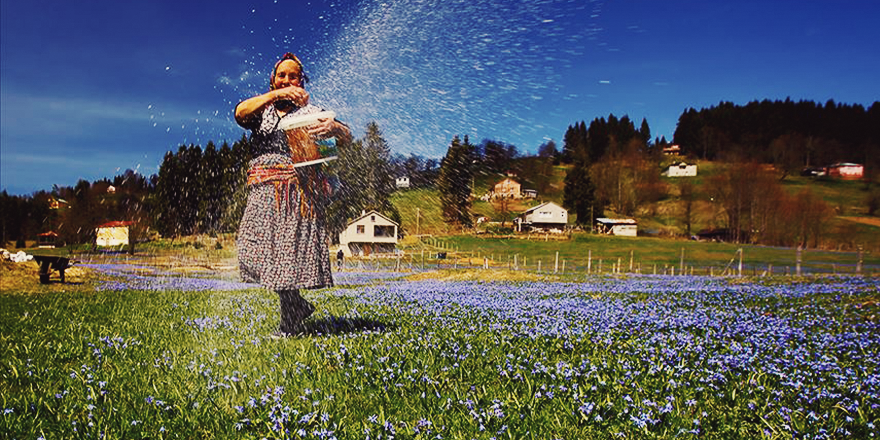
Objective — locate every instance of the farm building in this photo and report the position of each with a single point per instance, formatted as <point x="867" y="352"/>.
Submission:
<point x="682" y="170"/>
<point x="58" y="203"/>
<point x="508" y="188"/>
<point x="545" y="216"/>
<point x="47" y="240"/>
<point x="672" y="150"/>
<point x="402" y="182"/>
<point x="846" y="171"/>
<point x="113" y="234"/>
<point x="530" y="193"/>
<point x="371" y="233"/>
<point x="626" y="227"/>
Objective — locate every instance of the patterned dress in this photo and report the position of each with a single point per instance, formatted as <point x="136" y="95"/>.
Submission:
<point x="282" y="240"/>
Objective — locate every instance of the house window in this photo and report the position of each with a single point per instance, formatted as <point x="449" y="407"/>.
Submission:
<point x="360" y="229"/>
<point x="383" y="231"/>
<point x="373" y="218"/>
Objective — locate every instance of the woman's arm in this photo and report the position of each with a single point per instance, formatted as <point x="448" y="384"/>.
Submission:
<point x="247" y="109"/>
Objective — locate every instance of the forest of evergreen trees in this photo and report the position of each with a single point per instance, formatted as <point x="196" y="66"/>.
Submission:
<point x="790" y="135"/>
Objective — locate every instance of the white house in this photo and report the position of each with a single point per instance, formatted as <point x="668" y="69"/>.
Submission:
<point x="507" y="188"/>
<point x="113" y="234"/>
<point x="371" y="233"/>
<point x="617" y="226"/>
<point x="402" y="182"/>
<point x="545" y="216"/>
<point x="682" y="170"/>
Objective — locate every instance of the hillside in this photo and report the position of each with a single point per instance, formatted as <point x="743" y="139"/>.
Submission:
<point x="849" y="228"/>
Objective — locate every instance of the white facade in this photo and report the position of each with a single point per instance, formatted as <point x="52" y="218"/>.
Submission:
<point x="507" y="188"/>
<point x="111" y="236"/>
<point x="546" y="215"/>
<point x="402" y="182"/>
<point x="369" y="234"/>
<point x="682" y="170"/>
<point x="626" y="227"/>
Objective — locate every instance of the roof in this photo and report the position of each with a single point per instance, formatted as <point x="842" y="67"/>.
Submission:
<point x="617" y="221"/>
<point x="541" y="206"/>
<point x="48" y="234"/>
<point x="115" y="224"/>
<point x="845" y="164"/>
<point x="373" y="212"/>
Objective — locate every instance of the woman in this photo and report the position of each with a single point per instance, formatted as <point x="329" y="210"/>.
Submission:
<point x="282" y="240"/>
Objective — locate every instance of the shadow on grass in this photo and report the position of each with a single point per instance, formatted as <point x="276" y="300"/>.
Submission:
<point x="335" y="325"/>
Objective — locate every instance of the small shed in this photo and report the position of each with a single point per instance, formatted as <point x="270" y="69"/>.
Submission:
<point x="530" y="193"/>
<point x="113" y="234"/>
<point x="682" y="170"/>
<point x="402" y="182"/>
<point x="371" y="233"/>
<point x="545" y="216"/>
<point x="846" y="171"/>
<point x="47" y="240"/>
<point x="626" y="227"/>
<point x="508" y="188"/>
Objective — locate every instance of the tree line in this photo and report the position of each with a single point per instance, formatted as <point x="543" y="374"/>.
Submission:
<point x="613" y="165"/>
<point x="73" y="212"/>
<point x="203" y="191"/>
<point x="789" y="135"/>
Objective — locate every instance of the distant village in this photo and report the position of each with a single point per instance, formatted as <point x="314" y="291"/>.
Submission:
<point x="373" y="233"/>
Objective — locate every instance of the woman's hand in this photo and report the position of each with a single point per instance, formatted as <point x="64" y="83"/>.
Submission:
<point x="323" y="128"/>
<point x="329" y="127"/>
<point x="297" y="95"/>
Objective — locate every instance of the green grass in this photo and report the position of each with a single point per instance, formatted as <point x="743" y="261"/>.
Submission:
<point x="139" y="364"/>
<point x="646" y="252"/>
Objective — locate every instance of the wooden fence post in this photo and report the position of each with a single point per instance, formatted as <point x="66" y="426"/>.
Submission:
<point x="740" y="261"/>
<point x="681" y="262"/>
<point x="589" y="261"/>
<point x="556" y="264"/>
<point x="859" y="263"/>
<point x="797" y="269"/>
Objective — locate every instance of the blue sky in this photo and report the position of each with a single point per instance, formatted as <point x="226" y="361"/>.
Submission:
<point x="89" y="89"/>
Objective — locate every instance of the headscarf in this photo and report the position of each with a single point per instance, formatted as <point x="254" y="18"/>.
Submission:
<point x="303" y="79"/>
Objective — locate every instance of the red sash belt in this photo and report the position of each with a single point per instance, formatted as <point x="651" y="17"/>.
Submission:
<point x="282" y="176"/>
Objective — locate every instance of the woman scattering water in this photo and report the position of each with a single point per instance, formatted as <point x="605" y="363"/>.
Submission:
<point x="282" y="239"/>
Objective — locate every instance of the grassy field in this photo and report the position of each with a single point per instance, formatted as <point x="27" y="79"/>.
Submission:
<point x="647" y="252"/>
<point x="451" y="355"/>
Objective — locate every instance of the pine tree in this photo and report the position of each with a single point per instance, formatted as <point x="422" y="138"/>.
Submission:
<point x="454" y="183"/>
<point x="580" y="194"/>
